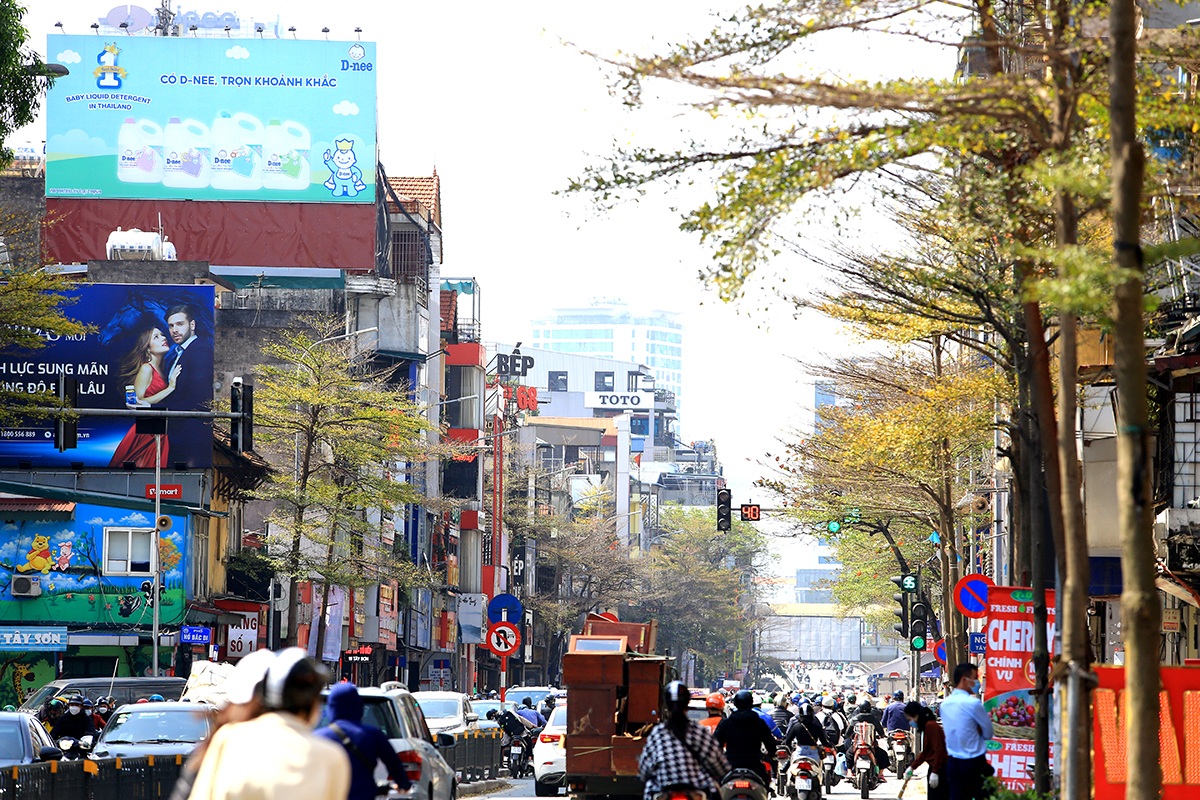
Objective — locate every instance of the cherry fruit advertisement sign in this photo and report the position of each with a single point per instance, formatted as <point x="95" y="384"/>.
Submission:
<point x="1010" y="679"/>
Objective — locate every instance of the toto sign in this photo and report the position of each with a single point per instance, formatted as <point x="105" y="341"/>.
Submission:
<point x="619" y="400"/>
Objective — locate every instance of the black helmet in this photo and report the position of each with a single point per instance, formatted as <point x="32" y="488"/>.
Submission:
<point x="527" y="701"/>
<point x="491" y="714"/>
<point x="864" y="706"/>
<point x="676" y="697"/>
<point x="743" y="700"/>
<point x="898" y="696"/>
<point x="851" y="700"/>
<point x="550" y="701"/>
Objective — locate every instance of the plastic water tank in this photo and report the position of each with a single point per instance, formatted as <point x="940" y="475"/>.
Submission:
<point x="134" y="245"/>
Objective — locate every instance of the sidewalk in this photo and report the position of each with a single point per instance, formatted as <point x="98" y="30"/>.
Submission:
<point x="482" y="787"/>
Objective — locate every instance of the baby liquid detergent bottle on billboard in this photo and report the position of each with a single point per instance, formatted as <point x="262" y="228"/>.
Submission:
<point x="237" y="152"/>
<point x="140" y="152"/>
<point x="188" y="164"/>
<point x="287" y="146"/>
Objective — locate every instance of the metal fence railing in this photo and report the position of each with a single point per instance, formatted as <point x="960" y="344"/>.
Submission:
<point x="146" y="778"/>
<point x="476" y="755"/>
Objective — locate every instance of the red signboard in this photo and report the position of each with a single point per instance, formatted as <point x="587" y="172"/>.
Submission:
<point x="1010" y="680"/>
<point x="1178" y="733"/>
<point x="166" y="491"/>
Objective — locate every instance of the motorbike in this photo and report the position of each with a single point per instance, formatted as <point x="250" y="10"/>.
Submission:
<point x="520" y="754"/>
<point x="681" y="791"/>
<point x="829" y="768"/>
<point x="782" y="756"/>
<point x="864" y="772"/>
<point x="74" y="749"/>
<point x="804" y="774"/>
<point x="898" y="743"/>
<point x="743" y="784"/>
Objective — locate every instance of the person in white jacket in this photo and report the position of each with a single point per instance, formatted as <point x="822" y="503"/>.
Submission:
<point x="277" y="755"/>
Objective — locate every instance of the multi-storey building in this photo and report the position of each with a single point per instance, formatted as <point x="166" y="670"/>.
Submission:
<point x="620" y="332"/>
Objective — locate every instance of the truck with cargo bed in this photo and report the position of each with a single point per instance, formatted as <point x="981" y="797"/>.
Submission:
<point x="614" y="697"/>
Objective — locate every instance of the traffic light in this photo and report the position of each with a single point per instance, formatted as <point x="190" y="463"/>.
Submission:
<point x="241" y="401"/>
<point x="724" y="509"/>
<point x="901" y="599"/>
<point x="918" y="626"/>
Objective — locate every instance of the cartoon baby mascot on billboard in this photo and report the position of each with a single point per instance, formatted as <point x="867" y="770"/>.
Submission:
<point x="345" y="179"/>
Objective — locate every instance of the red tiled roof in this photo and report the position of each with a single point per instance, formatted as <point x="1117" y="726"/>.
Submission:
<point x="34" y="504"/>
<point x="449" y="306"/>
<point x="425" y="190"/>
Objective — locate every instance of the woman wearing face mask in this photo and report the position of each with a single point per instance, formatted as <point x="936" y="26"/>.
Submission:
<point x="104" y="709"/>
<point x="933" y="750"/>
<point x="75" y="723"/>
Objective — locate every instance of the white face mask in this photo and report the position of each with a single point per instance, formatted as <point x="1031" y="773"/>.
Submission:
<point x="74" y="709"/>
<point x="102" y="709"/>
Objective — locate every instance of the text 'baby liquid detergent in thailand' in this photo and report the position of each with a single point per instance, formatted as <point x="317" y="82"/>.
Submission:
<point x="188" y="164"/>
<point x="237" y="152"/>
<point x="286" y="146"/>
<point x="140" y="152"/>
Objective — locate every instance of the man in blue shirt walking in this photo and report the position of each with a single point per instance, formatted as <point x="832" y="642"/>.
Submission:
<point x="968" y="728"/>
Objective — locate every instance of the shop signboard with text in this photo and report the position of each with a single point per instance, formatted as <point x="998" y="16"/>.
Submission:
<point x="148" y="347"/>
<point x="1010" y="679"/>
<point x="183" y="118"/>
<point x="619" y="401"/>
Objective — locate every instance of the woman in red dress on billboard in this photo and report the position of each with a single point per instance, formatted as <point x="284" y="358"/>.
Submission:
<point x="143" y="369"/>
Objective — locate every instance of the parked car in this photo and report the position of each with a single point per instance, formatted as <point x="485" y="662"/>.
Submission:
<point x="447" y="712"/>
<point x="125" y="690"/>
<point x="155" y="729"/>
<point x="550" y="754"/>
<point x="23" y="740"/>
<point x="397" y="714"/>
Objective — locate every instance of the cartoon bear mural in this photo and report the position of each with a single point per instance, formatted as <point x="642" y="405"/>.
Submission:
<point x="97" y="561"/>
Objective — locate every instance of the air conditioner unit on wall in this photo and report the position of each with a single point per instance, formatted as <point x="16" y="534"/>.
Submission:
<point x="26" y="586"/>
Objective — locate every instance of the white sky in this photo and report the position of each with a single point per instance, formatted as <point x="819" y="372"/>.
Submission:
<point x="488" y="94"/>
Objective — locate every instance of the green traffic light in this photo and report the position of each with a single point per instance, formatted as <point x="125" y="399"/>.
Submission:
<point x="917" y="643"/>
<point x="833" y="526"/>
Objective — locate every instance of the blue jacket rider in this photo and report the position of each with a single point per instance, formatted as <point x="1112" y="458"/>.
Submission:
<point x="345" y="708"/>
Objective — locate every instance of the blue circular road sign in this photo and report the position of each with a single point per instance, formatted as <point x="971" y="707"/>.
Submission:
<point x="505" y="606"/>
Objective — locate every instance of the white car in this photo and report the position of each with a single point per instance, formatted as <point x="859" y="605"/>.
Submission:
<point x="447" y="712"/>
<point x="550" y="754"/>
<point x="400" y="718"/>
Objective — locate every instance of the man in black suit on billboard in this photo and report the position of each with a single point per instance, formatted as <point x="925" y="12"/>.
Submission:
<point x="193" y="389"/>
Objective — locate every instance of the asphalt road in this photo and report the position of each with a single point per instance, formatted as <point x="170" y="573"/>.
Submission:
<point x="522" y="789"/>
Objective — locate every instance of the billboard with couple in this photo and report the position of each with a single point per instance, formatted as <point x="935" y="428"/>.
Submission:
<point x="148" y="347"/>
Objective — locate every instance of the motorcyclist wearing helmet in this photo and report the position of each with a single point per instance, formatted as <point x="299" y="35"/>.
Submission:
<point x="680" y="752"/>
<point x="528" y="712"/>
<point x="767" y="718"/>
<point x="747" y="739"/>
<point x="783" y="718"/>
<point x="714" y="704"/>
<point x="832" y="722"/>
<point x="75" y="723"/>
<point x="89" y="708"/>
<point x="52" y="712"/>
<point x="865" y="715"/>
<point x="893" y="715"/>
<point x="546" y="707"/>
<point x="157" y="698"/>
<point x="105" y="706"/>
<point x="808" y="718"/>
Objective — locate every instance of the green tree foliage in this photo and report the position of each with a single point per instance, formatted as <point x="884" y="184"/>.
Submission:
<point x="340" y="434"/>
<point x="21" y="76"/>
<point x="699" y="585"/>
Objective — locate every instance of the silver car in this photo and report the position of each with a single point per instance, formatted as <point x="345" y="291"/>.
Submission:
<point x="398" y="715"/>
<point x="447" y="712"/>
